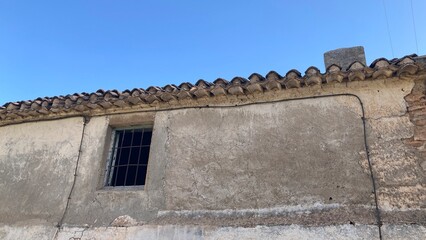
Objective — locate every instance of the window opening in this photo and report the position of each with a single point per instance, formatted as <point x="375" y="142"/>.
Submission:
<point x="128" y="157"/>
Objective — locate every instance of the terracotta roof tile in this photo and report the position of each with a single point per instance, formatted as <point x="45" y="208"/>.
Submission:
<point x="101" y="100"/>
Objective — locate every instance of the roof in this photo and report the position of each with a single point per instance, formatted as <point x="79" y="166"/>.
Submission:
<point x="103" y="102"/>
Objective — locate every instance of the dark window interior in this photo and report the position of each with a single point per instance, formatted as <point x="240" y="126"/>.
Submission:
<point x="129" y="157"/>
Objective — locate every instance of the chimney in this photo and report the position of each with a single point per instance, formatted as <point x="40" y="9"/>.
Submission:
<point x="344" y="57"/>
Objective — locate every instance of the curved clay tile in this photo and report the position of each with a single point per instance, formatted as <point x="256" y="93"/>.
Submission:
<point x="235" y="86"/>
<point x="184" y="90"/>
<point x="12" y="106"/>
<point x="114" y="92"/>
<point x="356" y="71"/>
<point x="80" y="103"/>
<point x="35" y="105"/>
<point x="255" y="77"/>
<point x="405" y="60"/>
<point x="255" y="83"/>
<point x="107" y="98"/>
<point x="124" y="95"/>
<point x="184" y="94"/>
<point x="382" y="69"/>
<point x="94" y="97"/>
<point x="382" y="73"/>
<point x="141" y="93"/>
<point x="407" y="69"/>
<point x="202" y="83"/>
<point x="153" y="90"/>
<point x="80" y="100"/>
<point x="220" y="81"/>
<point x="151" y="98"/>
<point x="101" y="91"/>
<point x="68" y="103"/>
<point x="254" y="87"/>
<point x="333" y="68"/>
<point x="312" y="76"/>
<point x="354" y="66"/>
<point x="134" y="90"/>
<point x="80" y="107"/>
<point x="170" y="92"/>
<point x="120" y="103"/>
<point x="25" y="108"/>
<point x="57" y="104"/>
<point x="273" y="81"/>
<point x="166" y="97"/>
<point x="127" y="92"/>
<point x="134" y="100"/>
<point x="271" y="84"/>
<point x="134" y="96"/>
<point x="110" y="96"/>
<point x="356" y="75"/>
<point x="25" y="105"/>
<point x="380" y="63"/>
<point x="185" y="86"/>
<point x="12" y="115"/>
<point x="2" y="112"/>
<point x="238" y="81"/>
<point x="272" y="75"/>
<point x="43" y="109"/>
<point x="334" y="74"/>
<point x="219" y="87"/>
<point x="170" y="88"/>
<point x="71" y="97"/>
<point x="293" y="79"/>
<point x="200" y="92"/>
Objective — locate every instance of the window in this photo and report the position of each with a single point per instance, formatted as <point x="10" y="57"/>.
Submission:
<point x="128" y="157"/>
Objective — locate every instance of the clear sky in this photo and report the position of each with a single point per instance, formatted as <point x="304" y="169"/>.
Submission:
<point x="50" y="48"/>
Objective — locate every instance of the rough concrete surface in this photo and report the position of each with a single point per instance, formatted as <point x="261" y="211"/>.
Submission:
<point x="27" y="231"/>
<point x="151" y="232"/>
<point x="263" y="156"/>
<point x="215" y="233"/>
<point x="95" y="205"/>
<point x="37" y="162"/>
<point x="400" y="232"/>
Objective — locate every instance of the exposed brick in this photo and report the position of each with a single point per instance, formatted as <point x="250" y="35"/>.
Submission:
<point x="414" y="97"/>
<point x="414" y="143"/>
<point x="416" y="101"/>
<point x="420" y="122"/>
<point x="417" y="107"/>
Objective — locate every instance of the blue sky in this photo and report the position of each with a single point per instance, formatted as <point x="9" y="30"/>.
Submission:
<point x="50" y="48"/>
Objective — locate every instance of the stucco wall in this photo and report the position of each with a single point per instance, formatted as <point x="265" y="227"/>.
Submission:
<point x="37" y="162"/>
<point x="227" y="170"/>
<point x="267" y="155"/>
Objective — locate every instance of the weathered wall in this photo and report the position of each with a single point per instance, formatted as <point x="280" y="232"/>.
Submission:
<point x="304" y="152"/>
<point x="37" y="162"/>
<point x="92" y="204"/>
<point x="261" y="156"/>
<point x="343" y="232"/>
<point x="226" y="171"/>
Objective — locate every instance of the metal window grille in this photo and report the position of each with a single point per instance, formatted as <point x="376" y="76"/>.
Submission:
<point x="128" y="157"/>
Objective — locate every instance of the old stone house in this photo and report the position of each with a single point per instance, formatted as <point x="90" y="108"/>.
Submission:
<point x="334" y="155"/>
